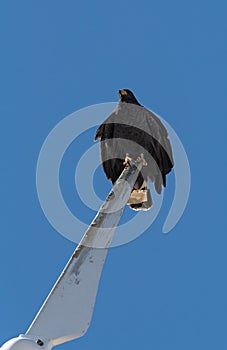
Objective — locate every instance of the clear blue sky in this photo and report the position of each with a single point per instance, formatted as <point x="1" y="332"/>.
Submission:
<point x="160" y="291"/>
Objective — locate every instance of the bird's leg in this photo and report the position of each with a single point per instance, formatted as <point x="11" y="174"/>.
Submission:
<point x="128" y="159"/>
<point x="142" y="159"/>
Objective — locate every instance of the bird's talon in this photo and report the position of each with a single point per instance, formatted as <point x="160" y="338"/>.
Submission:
<point x="127" y="159"/>
<point x="141" y="158"/>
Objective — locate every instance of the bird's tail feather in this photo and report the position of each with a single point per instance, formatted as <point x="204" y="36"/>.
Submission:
<point x="141" y="199"/>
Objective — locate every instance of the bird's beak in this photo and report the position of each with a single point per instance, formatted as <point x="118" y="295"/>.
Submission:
<point x="122" y="92"/>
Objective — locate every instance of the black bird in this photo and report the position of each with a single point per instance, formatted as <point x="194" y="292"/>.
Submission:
<point x="132" y="130"/>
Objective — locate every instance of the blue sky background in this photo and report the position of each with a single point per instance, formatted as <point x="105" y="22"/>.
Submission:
<point x="160" y="291"/>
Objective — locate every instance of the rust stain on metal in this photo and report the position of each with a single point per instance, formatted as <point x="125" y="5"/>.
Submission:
<point x="81" y="256"/>
<point x="77" y="251"/>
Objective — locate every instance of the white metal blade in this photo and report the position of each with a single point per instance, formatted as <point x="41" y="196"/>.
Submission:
<point x="67" y="311"/>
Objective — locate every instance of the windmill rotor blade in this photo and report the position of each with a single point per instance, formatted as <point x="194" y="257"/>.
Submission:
<point x="66" y="313"/>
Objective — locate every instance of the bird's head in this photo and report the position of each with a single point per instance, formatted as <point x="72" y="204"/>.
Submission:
<point x="127" y="96"/>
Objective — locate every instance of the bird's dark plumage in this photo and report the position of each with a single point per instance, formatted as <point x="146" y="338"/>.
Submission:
<point x="131" y="130"/>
